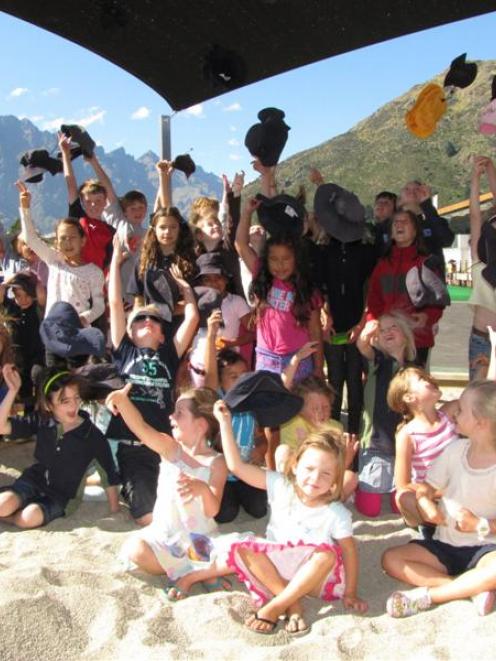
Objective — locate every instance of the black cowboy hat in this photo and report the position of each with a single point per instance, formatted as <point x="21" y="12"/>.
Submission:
<point x="267" y="139"/>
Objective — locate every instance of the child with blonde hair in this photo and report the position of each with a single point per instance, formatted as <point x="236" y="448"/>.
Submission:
<point x="460" y="495"/>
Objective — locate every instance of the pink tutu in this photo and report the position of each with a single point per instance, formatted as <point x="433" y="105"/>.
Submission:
<point x="287" y="558"/>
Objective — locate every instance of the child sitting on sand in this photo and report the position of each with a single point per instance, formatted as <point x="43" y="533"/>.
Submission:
<point x="459" y="496"/>
<point x="309" y="548"/>
<point x="66" y="444"/>
<point x="420" y="438"/>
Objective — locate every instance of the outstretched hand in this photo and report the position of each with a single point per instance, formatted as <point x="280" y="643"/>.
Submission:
<point x="64" y="142"/>
<point x="355" y="603"/>
<point x="116" y="398"/>
<point x="24" y="195"/>
<point x="11" y="377"/>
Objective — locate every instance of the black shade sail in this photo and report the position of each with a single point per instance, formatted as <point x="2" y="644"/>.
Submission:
<point x="192" y="50"/>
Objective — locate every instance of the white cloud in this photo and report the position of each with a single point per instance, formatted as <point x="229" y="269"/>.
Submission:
<point x="51" y="91"/>
<point x="233" y="107"/>
<point x="95" y="116"/>
<point x="141" y="113"/>
<point x="195" y="111"/>
<point x="233" y="142"/>
<point x="53" y="124"/>
<point x="233" y="128"/>
<point x="18" y="91"/>
<point x="32" y="118"/>
<point x="234" y="157"/>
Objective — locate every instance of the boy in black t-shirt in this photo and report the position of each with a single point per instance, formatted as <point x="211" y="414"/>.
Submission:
<point x="147" y="358"/>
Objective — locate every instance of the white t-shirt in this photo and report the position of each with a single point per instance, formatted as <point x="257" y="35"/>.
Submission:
<point x="233" y="308"/>
<point x="462" y="486"/>
<point x="292" y="521"/>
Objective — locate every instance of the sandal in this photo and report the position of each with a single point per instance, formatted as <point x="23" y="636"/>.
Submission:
<point x="292" y="626"/>
<point x="263" y="620"/>
<point x="220" y="584"/>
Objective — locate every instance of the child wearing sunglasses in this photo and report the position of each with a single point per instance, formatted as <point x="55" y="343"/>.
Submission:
<point x="147" y="356"/>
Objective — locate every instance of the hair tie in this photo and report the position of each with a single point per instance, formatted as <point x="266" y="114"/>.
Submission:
<point x="51" y="381"/>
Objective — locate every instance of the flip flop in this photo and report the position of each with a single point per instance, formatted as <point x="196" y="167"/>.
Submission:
<point x="221" y="584"/>
<point x="264" y="620"/>
<point x="295" y="617"/>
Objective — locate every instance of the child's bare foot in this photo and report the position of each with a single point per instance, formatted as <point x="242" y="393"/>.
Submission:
<point x="296" y="624"/>
<point x="255" y="622"/>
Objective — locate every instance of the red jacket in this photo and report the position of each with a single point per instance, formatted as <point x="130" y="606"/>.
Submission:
<point x="387" y="292"/>
<point x="98" y="246"/>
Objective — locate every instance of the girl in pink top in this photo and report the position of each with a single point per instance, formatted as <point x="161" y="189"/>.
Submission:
<point x="288" y="313"/>
<point x="420" y="438"/>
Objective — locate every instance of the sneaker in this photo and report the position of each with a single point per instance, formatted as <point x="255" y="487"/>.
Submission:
<point x="404" y="604"/>
<point x="484" y="602"/>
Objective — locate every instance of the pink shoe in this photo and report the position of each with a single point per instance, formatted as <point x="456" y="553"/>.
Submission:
<point x="484" y="602"/>
<point x="368" y="503"/>
<point x="409" y="602"/>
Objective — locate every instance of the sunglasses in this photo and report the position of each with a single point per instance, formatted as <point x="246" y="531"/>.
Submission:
<point x="144" y="317"/>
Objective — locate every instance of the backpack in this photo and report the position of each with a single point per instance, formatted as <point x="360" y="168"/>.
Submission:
<point x="425" y="287"/>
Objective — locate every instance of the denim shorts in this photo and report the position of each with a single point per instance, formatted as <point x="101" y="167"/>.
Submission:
<point x="375" y="472"/>
<point x="456" y="559"/>
<point x="30" y="493"/>
<point x="477" y="346"/>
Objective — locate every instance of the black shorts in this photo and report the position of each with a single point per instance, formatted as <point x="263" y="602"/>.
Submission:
<point x="456" y="559"/>
<point x="31" y="493"/>
<point x="138" y="467"/>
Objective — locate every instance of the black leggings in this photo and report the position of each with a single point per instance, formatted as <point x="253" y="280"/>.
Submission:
<point x="345" y="365"/>
<point x="237" y="493"/>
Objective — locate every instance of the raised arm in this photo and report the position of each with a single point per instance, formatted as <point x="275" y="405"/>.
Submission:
<point x="291" y="368"/>
<point x="253" y="475"/>
<point x="440" y="225"/>
<point x="242" y="241"/>
<point x="44" y="252"/>
<point x="268" y="185"/>
<point x="102" y="177"/>
<point x="478" y="168"/>
<point x="491" y="178"/>
<point x="118" y="403"/>
<point x="69" y="176"/>
<point x="186" y="331"/>
<point x="13" y="381"/>
<point x="165" y="170"/>
<point x="116" y="304"/>
<point x="210" y="358"/>
<point x="365" y="341"/>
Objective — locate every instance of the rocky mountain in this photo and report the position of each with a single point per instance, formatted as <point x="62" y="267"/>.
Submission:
<point x="50" y="197"/>
<point x="379" y="153"/>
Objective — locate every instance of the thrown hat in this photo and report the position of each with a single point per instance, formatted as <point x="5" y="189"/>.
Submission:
<point x="267" y="139"/>
<point x="224" y="68"/>
<point x="99" y="380"/>
<point x="263" y="394"/>
<point x="185" y="164"/>
<point x="25" y="280"/>
<point x="36" y="162"/>
<point x="339" y="212"/>
<point x="279" y="214"/>
<point x="211" y="263"/>
<point x="429" y="107"/>
<point x="160" y="311"/>
<point x="208" y="299"/>
<point x="63" y="333"/>
<point x="81" y="136"/>
<point x="461" y="73"/>
<point x="425" y="287"/>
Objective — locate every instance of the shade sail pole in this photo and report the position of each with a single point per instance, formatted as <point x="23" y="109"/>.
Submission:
<point x="165" y="144"/>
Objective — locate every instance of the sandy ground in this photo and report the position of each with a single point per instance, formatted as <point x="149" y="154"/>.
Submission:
<point x="64" y="595"/>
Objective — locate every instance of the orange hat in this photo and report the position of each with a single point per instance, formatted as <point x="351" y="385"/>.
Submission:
<point x="429" y="107"/>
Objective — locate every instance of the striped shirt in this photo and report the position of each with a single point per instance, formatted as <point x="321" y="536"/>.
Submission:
<point x="427" y="446"/>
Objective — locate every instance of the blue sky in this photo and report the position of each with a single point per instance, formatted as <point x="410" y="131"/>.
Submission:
<point x="320" y="100"/>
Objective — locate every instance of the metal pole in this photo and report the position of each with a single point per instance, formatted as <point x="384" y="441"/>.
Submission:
<point x="165" y="143"/>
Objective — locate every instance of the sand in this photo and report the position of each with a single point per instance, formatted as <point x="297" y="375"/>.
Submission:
<point x="64" y="595"/>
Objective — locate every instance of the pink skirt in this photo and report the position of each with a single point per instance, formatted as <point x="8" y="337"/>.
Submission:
<point x="287" y="559"/>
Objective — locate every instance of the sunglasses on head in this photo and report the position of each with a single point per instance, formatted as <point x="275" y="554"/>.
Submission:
<point x="144" y="317"/>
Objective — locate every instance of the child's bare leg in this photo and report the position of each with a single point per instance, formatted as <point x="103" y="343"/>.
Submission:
<point x="10" y="502"/>
<point x="407" y="504"/>
<point x="29" y="517"/>
<point x="139" y="552"/>
<point x="307" y="580"/>
<point x="413" y="564"/>
<point x="215" y="570"/>
<point x="474" y="581"/>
